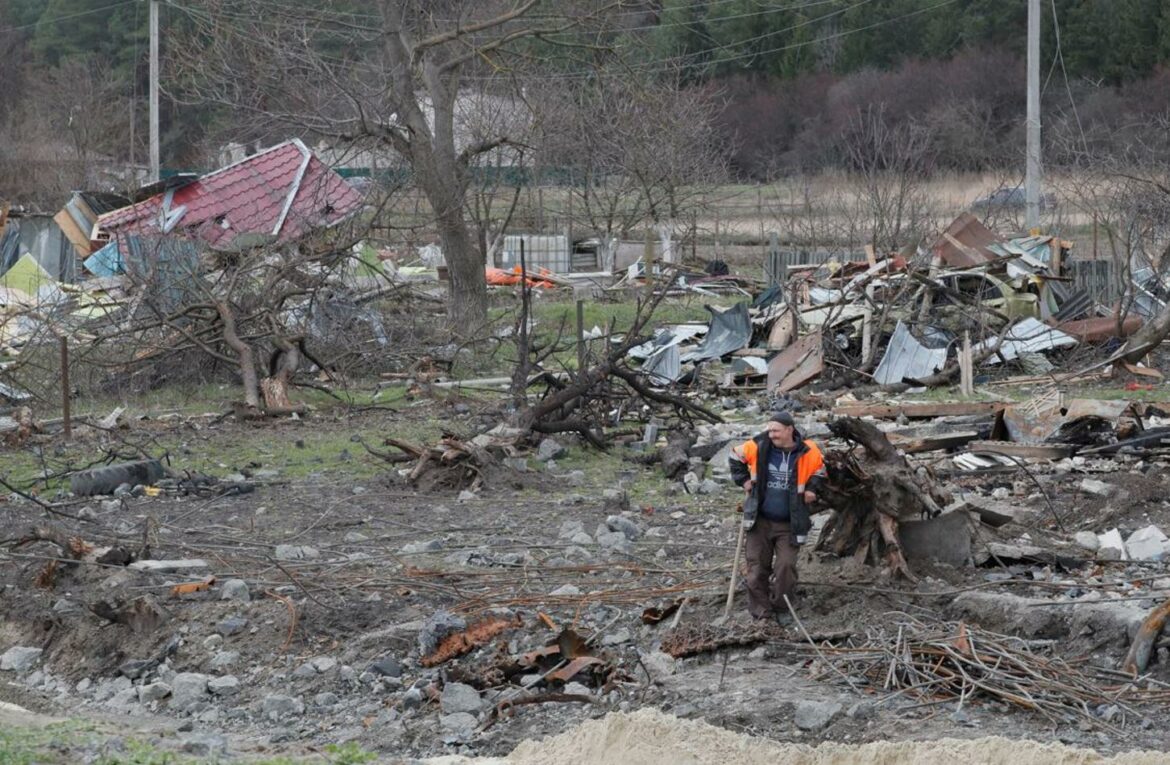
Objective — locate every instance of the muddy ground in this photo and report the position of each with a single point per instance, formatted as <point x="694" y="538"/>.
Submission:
<point x="344" y="574"/>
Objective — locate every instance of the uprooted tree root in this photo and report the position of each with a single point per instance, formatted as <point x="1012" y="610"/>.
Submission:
<point x="450" y="464"/>
<point x="870" y="494"/>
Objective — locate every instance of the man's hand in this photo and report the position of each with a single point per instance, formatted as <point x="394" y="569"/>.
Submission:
<point x="810" y="497"/>
<point x="748" y="484"/>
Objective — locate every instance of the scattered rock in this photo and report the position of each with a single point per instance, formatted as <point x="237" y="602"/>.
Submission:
<point x="616" y="541"/>
<point x="323" y="663"/>
<point x="305" y="670"/>
<point x="20" y="658"/>
<point x="233" y="625"/>
<point x="235" y="589"/>
<point x="550" y="449"/>
<point x="387" y="666"/>
<point x="354" y="537"/>
<point x="205" y="745"/>
<point x="412" y="699"/>
<point x="581" y="538"/>
<point x="460" y="724"/>
<point x="467" y="496"/>
<point x="575" y="478"/>
<point x="277" y="706"/>
<point x="124" y="698"/>
<point x="224" y="659"/>
<point x="624" y="525"/>
<point x="227" y="685"/>
<point x="458" y="697"/>
<point x="65" y="606"/>
<point x="617" y="637"/>
<point x="567" y="590"/>
<point x="153" y="692"/>
<point x="1097" y="488"/>
<point x="325" y="699"/>
<point x="297" y="552"/>
<point x="440" y="625"/>
<point x="577" y="689"/>
<point x="416" y="548"/>
<point x="1087" y="540"/>
<point x="1110" y="546"/>
<point x="187" y="689"/>
<point x="659" y="664"/>
<point x="814" y="715"/>
<point x="708" y="486"/>
<point x="1148" y="543"/>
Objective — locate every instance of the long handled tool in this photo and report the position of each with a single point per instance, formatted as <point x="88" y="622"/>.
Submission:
<point x="734" y="569"/>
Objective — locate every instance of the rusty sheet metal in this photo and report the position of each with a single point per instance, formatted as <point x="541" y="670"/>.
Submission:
<point x="1042" y="418"/>
<point x="1100" y="328"/>
<point x="798" y="364"/>
<point x="974" y="238"/>
<point x="906" y="358"/>
<point x="574" y="667"/>
<point x="655" y="614"/>
<point x="460" y="643"/>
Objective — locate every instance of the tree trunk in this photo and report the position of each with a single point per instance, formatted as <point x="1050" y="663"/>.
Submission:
<point x="275" y="387"/>
<point x="247" y="359"/>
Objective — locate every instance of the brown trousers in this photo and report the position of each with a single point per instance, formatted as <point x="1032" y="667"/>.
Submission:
<point x="769" y="555"/>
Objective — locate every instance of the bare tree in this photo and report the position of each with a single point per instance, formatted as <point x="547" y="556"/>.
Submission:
<point x="395" y="80"/>
<point x="642" y="151"/>
<point x="888" y="163"/>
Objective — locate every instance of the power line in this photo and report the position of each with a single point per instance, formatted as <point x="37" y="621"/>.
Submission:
<point x="648" y="67"/>
<point x="66" y="17"/>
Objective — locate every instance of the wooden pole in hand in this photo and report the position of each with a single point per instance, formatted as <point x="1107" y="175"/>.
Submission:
<point x="734" y="572"/>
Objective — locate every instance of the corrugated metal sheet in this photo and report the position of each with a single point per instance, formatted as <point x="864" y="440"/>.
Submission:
<point x="1027" y="336"/>
<point x="908" y="359"/>
<point x="282" y="193"/>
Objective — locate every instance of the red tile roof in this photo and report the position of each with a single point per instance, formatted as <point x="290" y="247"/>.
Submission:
<point x="249" y="197"/>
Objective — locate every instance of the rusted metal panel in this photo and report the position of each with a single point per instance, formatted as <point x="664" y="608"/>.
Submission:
<point x="796" y="365"/>
<point x="1101" y="328"/>
<point x="973" y="240"/>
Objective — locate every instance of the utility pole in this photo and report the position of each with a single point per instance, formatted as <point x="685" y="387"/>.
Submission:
<point x="1032" y="167"/>
<point x="154" y="168"/>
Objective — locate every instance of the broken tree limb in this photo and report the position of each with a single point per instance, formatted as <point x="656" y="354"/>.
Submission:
<point x="1138" y="656"/>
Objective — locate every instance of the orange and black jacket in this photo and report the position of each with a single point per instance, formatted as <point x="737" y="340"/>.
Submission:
<point x="810" y="472"/>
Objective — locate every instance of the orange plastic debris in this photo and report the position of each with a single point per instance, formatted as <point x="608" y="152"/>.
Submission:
<point x="547" y="621"/>
<point x="189" y="587"/>
<point x="501" y="278"/>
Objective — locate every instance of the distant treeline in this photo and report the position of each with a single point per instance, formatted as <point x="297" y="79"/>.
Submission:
<point x="796" y="77"/>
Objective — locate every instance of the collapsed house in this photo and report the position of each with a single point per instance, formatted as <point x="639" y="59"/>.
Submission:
<point x="100" y="251"/>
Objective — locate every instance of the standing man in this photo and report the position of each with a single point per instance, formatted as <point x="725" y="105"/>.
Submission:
<point x="780" y="472"/>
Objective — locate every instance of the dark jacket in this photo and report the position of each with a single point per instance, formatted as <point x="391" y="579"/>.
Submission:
<point x="745" y="462"/>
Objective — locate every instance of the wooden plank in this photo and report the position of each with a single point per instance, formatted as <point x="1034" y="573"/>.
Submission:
<point x="1012" y="449"/>
<point x="932" y="443"/>
<point x="76" y="237"/>
<point x="782" y="332"/>
<point x="919" y="409"/>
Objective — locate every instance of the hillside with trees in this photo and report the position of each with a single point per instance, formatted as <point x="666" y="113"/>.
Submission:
<point x="792" y="78"/>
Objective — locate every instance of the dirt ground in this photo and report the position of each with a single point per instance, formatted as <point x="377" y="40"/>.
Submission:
<point x="378" y="559"/>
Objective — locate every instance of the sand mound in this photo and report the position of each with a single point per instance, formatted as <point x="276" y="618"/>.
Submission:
<point x="649" y="737"/>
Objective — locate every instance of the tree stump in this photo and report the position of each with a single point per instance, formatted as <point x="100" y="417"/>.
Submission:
<point x="870" y="494"/>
